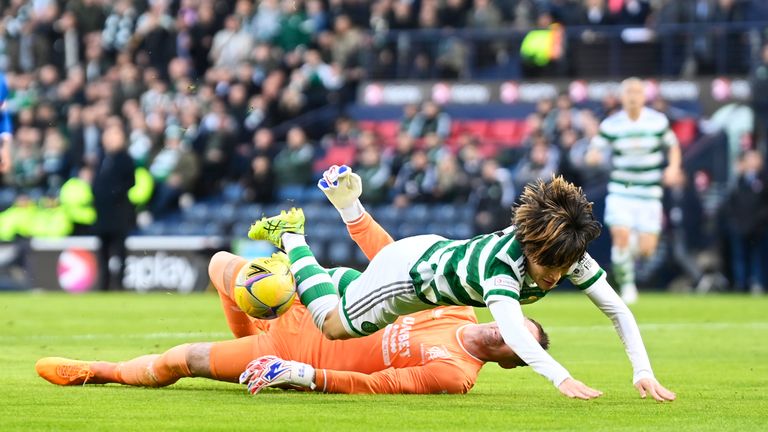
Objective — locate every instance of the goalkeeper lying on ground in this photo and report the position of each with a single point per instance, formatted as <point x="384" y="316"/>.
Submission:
<point x="552" y="226"/>
<point x="435" y="351"/>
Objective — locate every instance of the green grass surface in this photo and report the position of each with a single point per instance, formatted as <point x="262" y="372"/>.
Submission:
<point x="713" y="351"/>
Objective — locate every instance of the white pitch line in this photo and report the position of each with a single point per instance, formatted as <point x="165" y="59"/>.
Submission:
<point x="145" y="336"/>
<point x="757" y="325"/>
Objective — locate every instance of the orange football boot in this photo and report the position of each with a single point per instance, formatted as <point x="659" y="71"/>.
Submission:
<point x="63" y="371"/>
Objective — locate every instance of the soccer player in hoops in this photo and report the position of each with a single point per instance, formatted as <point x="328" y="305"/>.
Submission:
<point x="638" y="138"/>
<point x="552" y="226"/>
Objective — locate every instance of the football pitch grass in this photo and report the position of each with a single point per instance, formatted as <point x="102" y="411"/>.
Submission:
<point x="712" y="351"/>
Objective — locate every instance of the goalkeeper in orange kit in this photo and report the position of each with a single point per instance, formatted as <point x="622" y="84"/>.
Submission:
<point x="435" y="351"/>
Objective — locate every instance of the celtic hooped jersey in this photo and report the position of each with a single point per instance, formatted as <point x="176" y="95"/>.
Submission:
<point x="469" y="272"/>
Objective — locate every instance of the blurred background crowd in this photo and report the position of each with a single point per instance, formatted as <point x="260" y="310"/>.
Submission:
<point x="206" y="97"/>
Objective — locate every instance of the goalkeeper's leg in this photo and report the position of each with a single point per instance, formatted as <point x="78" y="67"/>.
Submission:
<point x="222" y="361"/>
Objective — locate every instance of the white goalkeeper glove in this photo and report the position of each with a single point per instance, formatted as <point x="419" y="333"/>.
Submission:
<point x="343" y="189"/>
<point x="272" y="371"/>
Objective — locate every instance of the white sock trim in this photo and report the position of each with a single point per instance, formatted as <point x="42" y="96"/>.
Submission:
<point x="292" y="241"/>
<point x="320" y="307"/>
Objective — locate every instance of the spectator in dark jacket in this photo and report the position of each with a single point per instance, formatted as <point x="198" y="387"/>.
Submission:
<point x="430" y="120"/>
<point x="747" y="215"/>
<point x="115" y="216"/>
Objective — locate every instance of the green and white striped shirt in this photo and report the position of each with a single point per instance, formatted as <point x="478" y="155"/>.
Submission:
<point x="638" y="148"/>
<point x="470" y="272"/>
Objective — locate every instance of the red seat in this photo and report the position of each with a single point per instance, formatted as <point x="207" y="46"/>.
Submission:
<point x="342" y="155"/>
<point x="685" y="130"/>
<point x="506" y="132"/>
<point x="367" y="125"/>
<point x="388" y="130"/>
<point x="478" y="128"/>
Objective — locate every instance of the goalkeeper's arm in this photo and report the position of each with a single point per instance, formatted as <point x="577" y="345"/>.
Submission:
<point x="342" y="187"/>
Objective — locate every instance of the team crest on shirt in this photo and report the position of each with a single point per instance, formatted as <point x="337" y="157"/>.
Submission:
<point x="433" y="353"/>
<point x="369" y="327"/>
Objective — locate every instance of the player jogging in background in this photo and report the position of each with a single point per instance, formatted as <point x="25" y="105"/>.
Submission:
<point x="639" y="138"/>
<point x="435" y="351"/>
<point x="6" y="129"/>
<point x="553" y="226"/>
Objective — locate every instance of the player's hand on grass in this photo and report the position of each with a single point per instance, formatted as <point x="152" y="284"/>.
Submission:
<point x="578" y="390"/>
<point x="343" y="189"/>
<point x="649" y="386"/>
<point x="271" y="371"/>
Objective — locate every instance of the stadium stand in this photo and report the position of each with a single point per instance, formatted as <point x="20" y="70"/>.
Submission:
<point x="235" y="107"/>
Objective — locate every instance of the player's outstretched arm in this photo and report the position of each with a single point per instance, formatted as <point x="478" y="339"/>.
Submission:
<point x="509" y="316"/>
<point x="606" y="299"/>
<point x="343" y="189"/>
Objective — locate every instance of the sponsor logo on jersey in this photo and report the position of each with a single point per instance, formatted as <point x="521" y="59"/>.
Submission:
<point x="503" y="282"/>
<point x="434" y="353"/>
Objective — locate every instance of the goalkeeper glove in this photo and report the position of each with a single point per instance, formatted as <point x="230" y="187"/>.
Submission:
<point x="271" y="371"/>
<point x="343" y="189"/>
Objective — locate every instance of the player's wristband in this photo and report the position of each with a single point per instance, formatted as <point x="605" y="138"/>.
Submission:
<point x="352" y="213"/>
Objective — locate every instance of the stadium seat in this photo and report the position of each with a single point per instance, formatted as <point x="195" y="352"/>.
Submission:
<point x="444" y="213"/>
<point x="290" y="193"/>
<point x="388" y="130"/>
<point x="416" y="213"/>
<point x="506" y="132"/>
<point x="233" y="192"/>
<point x="367" y="125"/>
<point x="199" y="211"/>
<point x="336" y="155"/>
<point x="477" y="128"/>
<point x="250" y="212"/>
<point x="387" y="215"/>
<point x="339" y="252"/>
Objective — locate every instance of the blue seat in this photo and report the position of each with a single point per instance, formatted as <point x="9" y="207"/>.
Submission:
<point x="233" y="192"/>
<point x="387" y="215"/>
<point x="249" y="212"/>
<point x="240" y="229"/>
<point x="417" y="213"/>
<point x="339" y="252"/>
<point x="291" y="193"/>
<point x="447" y="213"/>
<point x="197" y="212"/>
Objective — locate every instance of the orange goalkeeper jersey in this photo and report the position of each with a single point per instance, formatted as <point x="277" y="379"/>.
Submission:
<point x="419" y="353"/>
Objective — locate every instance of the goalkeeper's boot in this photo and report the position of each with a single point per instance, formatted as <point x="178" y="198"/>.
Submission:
<point x="273" y="228"/>
<point x="63" y="371"/>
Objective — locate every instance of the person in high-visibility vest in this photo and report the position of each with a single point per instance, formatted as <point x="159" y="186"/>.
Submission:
<point x="142" y="189"/>
<point x="76" y="198"/>
<point x="543" y="46"/>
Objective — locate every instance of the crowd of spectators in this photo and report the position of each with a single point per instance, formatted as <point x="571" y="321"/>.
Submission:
<point x="202" y="89"/>
<point x="200" y="85"/>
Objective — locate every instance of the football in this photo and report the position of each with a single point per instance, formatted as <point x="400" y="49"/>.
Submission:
<point x="265" y="288"/>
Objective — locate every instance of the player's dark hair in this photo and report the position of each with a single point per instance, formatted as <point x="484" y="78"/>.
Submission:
<point x="554" y="222"/>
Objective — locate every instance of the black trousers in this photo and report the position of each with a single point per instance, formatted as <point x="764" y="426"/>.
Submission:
<point x="112" y="244"/>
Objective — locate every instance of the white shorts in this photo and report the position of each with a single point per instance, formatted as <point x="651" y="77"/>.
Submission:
<point x="638" y="214"/>
<point x="385" y="291"/>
